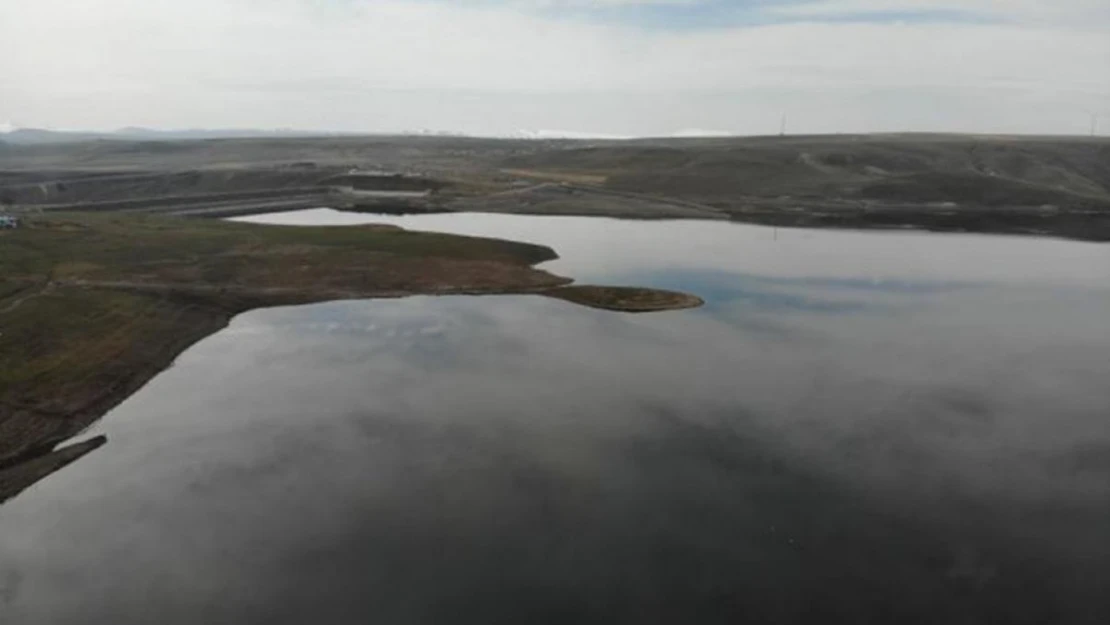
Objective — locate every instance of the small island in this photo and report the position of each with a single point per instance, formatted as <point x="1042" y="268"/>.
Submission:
<point x="93" y="305"/>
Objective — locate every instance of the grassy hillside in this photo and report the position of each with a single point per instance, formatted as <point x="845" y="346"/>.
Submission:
<point x="900" y="168"/>
<point x="1025" y="185"/>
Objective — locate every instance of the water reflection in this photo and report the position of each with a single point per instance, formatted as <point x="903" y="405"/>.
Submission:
<point x="595" y="250"/>
<point x="811" y="447"/>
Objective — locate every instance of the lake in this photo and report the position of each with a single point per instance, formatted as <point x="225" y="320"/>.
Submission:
<point x="881" y="427"/>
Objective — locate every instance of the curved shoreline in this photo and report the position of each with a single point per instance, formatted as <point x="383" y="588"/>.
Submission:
<point x="94" y="306"/>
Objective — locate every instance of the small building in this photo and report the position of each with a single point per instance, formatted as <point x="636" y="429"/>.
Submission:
<point x="8" y="221"/>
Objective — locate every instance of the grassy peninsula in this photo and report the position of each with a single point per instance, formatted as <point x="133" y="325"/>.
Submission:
<point x="94" y="305"/>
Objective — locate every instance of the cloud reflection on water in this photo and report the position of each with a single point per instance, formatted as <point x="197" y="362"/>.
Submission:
<point x="929" y="454"/>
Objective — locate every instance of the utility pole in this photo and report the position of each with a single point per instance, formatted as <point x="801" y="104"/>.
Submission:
<point x="782" y="126"/>
<point x="1094" y="124"/>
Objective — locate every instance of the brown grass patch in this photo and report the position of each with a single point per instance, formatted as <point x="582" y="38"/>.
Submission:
<point x="625" y="299"/>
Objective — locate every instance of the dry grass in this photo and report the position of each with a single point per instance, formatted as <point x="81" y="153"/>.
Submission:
<point x="625" y="299"/>
<point x="93" y="306"/>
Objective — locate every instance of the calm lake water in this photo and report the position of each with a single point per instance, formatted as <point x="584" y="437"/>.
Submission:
<point x="856" y="428"/>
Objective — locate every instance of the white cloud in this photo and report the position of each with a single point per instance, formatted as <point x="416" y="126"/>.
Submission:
<point x="392" y="65"/>
<point x="1092" y="14"/>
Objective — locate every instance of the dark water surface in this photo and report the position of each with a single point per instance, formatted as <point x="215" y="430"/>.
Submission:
<point x="857" y="428"/>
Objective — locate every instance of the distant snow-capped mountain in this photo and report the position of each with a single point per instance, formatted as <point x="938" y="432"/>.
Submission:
<point x="562" y="134"/>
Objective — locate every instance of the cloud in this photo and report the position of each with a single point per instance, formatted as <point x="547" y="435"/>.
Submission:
<point x="1089" y="13"/>
<point x="500" y="66"/>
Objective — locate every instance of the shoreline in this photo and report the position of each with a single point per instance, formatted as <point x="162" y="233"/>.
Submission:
<point x="84" y="334"/>
<point x="1029" y="221"/>
<point x="990" y="184"/>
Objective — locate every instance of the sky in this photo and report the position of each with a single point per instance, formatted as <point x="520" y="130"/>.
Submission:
<point x="597" y="67"/>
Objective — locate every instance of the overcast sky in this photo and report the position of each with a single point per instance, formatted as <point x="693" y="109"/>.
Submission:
<point x="616" y="67"/>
